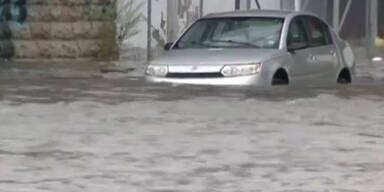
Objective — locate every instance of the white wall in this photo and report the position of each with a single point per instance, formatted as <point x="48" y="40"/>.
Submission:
<point x="269" y="4"/>
<point x="211" y="6"/>
<point x="140" y="39"/>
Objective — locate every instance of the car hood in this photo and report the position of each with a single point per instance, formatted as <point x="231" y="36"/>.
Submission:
<point x="215" y="56"/>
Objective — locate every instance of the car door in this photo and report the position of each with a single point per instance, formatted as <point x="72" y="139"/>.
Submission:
<point x="301" y="60"/>
<point x="322" y="50"/>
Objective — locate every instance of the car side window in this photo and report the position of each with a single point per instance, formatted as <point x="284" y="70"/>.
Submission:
<point x="297" y="33"/>
<point x="318" y="32"/>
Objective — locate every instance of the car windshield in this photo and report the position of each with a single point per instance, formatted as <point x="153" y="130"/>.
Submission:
<point x="249" y="32"/>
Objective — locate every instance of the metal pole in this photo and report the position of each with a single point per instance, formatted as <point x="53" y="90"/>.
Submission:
<point x="306" y="4"/>
<point x="367" y="28"/>
<point x="248" y="4"/>
<point x="149" y="30"/>
<point x="281" y="4"/>
<point x="237" y="4"/>
<point x="373" y="26"/>
<point x="375" y="18"/>
<point x="297" y="5"/>
<point x="201" y="8"/>
<point x="336" y="14"/>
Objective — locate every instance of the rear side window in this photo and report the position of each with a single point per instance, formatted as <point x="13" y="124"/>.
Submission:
<point x="318" y="32"/>
<point x="297" y="32"/>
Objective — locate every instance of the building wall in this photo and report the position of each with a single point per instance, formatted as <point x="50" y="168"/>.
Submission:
<point x="33" y="29"/>
<point x="355" y="24"/>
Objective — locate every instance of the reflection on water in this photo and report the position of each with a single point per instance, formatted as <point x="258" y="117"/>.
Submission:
<point x="123" y="90"/>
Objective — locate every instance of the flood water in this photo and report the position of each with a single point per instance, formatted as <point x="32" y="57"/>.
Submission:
<point x="97" y="133"/>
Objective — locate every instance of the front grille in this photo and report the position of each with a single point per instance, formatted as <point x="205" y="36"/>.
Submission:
<point x="194" y="75"/>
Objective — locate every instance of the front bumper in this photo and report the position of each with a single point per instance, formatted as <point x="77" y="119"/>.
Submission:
<point x="235" y="81"/>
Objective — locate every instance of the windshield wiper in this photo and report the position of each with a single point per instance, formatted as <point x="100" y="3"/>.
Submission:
<point x="236" y="42"/>
<point x="200" y="44"/>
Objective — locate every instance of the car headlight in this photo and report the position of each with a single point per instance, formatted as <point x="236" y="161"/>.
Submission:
<point x="241" y="69"/>
<point x="157" y="70"/>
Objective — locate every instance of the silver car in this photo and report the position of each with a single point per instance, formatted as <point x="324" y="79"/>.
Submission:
<point x="259" y="48"/>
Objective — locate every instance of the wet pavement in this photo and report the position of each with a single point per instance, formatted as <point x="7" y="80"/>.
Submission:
<point x="77" y="129"/>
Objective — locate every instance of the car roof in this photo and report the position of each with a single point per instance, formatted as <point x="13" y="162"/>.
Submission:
<point x="254" y="13"/>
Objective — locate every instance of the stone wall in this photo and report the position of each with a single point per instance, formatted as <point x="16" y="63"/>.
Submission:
<point x="67" y="29"/>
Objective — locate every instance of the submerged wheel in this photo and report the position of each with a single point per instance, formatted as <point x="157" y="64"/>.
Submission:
<point x="344" y="77"/>
<point x="280" y="78"/>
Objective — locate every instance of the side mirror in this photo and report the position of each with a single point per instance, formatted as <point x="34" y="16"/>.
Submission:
<point x="297" y="46"/>
<point x="168" y="46"/>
